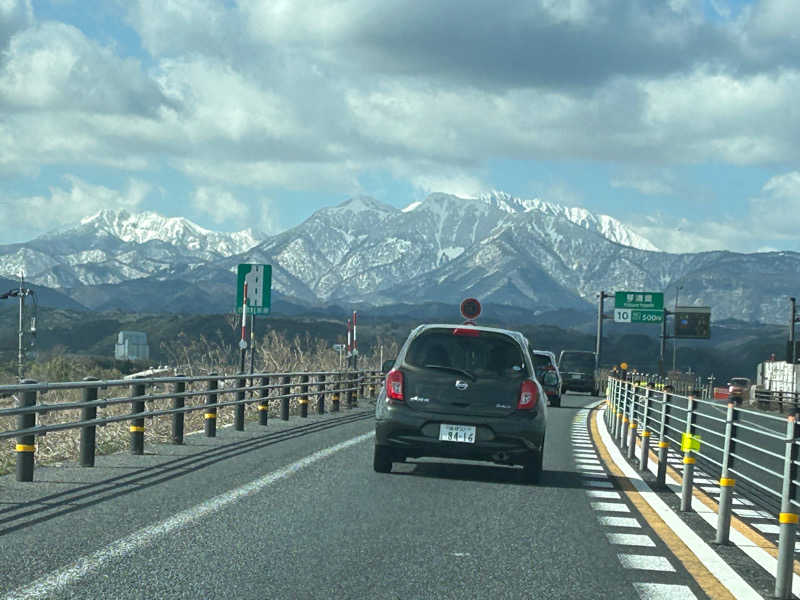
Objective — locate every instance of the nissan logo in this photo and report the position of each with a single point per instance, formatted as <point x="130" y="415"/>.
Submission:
<point x="461" y="385"/>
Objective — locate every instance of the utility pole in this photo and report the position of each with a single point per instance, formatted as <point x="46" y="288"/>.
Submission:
<point x="663" y="344"/>
<point x="599" y="337"/>
<point x="20" y="294"/>
<point x="674" y="339"/>
<point x="792" y="354"/>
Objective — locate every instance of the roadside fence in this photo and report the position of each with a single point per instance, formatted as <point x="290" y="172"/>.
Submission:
<point x="754" y="451"/>
<point x="76" y="405"/>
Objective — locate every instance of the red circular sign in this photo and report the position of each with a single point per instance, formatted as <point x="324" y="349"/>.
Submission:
<point x="470" y="308"/>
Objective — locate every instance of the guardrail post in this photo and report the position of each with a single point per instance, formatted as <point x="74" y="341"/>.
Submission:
<point x="263" y="404"/>
<point x="616" y="423"/>
<point x="725" y="483"/>
<point x="238" y="415"/>
<point x="210" y="413"/>
<point x="321" y="395"/>
<point x="688" y="461"/>
<point x="137" y="425"/>
<point x="88" y="433"/>
<point x="26" y="444"/>
<point x="644" y="457"/>
<point x="178" y="403"/>
<point x="622" y="430"/>
<point x="632" y="424"/>
<point x="304" y="379"/>
<point x="285" y="391"/>
<point x="626" y="422"/>
<point x="787" y="518"/>
<point x="663" y="444"/>
<point x="337" y="384"/>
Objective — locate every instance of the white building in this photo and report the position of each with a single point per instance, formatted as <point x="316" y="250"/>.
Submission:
<point x="132" y="345"/>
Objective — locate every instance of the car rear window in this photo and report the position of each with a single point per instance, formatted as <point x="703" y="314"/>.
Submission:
<point x="488" y="354"/>
<point x="540" y="361"/>
<point x="576" y="361"/>
<point x="739" y="381"/>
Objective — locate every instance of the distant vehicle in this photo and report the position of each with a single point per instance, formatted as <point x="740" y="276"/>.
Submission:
<point x="464" y="392"/>
<point x="577" y="371"/>
<point x="544" y="362"/>
<point x="738" y="389"/>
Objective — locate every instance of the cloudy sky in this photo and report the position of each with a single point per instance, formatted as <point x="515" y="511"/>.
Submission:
<point x="679" y="117"/>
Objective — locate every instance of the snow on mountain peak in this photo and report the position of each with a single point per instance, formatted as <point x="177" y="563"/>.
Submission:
<point x="361" y="203"/>
<point x="147" y="226"/>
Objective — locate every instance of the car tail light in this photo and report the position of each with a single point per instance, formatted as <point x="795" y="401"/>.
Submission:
<point x="466" y="331"/>
<point x="528" y="395"/>
<point x="394" y="386"/>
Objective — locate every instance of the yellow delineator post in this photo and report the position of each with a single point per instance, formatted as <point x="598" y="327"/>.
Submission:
<point x="689" y="443"/>
<point x="26" y="444"/>
<point x="726" y="483"/>
<point x="210" y="414"/>
<point x="787" y="518"/>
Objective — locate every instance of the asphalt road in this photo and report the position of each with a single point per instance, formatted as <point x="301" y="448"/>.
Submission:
<point x="328" y="527"/>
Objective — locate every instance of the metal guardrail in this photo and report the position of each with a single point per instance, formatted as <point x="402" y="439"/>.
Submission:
<point x="755" y="451"/>
<point x="219" y="391"/>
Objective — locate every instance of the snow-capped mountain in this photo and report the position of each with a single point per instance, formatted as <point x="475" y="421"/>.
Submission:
<point x="530" y="254"/>
<point x="116" y="246"/>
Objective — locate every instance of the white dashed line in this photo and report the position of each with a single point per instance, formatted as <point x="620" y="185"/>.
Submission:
<point x="631" y="539"/>
<point x="609" y="521"/>
<point x="603" y="494"/>
<point x="664" y="591"/>
<point x="611" y="507"/>
<point x="598" y="484"/>
<point x="645" y="562"/>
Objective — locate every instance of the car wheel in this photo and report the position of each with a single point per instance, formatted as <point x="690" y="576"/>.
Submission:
<point x="532" y="469"/>
<point x="382" y="460"/>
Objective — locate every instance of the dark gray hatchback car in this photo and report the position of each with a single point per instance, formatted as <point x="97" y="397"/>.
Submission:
<point x="462" y="391"/>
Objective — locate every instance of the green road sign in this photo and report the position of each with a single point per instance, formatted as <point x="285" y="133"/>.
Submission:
<point x="642" y="300"/>
<point x="259" y="288"/>
<point x="637" y="315"/>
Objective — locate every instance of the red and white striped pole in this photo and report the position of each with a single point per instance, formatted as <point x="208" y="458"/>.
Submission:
<point x="355" y="341"/>
<point x="243" y="341"/>
<point x="349" y="340"/>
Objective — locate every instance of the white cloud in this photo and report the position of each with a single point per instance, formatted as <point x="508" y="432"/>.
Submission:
<point x="14" y="16"/>
<point x="220" y="205"/>
<point x="649" y="186"/>
<point x="772" y="221"/>
<point x="68" y="205"/>
<point x="457" y="184"/>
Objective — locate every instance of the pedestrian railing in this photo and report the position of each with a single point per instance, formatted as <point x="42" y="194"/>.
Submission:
<point x="754" y="451"/>
<point x="209" y="394"/>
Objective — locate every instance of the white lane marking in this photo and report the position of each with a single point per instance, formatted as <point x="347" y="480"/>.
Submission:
<point x="611" y="507"/>
<point x="590" y="468"/>
<point x="712" y="561"/>
<point x="742" y="501"/>
<point x="631" y="539"/>
<point x="767" y="527"/>
<point x="713" y="491"/>
<point x="752" y="514"/>
<point x="593" y="474"/>
<point x="646" y="562"/>
<point x="58" y="580"/>
<point x="664" y="591"/>
<point x="603" y="494"/>
<point x="618" y="521"/>
<point x="598" y="484"/>
<point x="582" y="445"/>
<point x="581" y="460"/>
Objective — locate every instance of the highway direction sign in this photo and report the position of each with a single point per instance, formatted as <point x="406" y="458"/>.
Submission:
<point x="637" y="315"/>
<point x="641" y="300"/>
<point x="693" y="322"/>
<point x="259" y="288"/>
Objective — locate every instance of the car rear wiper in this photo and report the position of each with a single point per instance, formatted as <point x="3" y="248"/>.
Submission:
<point x="453" y="369"/>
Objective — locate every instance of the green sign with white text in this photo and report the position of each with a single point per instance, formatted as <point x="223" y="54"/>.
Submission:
<point x="259" y="288"/>
<point x="641" y="300"/>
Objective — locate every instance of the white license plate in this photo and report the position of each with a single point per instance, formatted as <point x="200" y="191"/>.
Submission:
<point x="576" y="375"/>
<point x="457" y="433"/>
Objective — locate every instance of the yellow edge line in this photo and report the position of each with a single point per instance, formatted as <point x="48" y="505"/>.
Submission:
<point x="739" y="525"/>
<point x="695" y="567"/>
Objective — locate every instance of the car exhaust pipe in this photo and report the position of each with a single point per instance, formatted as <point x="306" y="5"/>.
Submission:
<point x="502" y="458"/>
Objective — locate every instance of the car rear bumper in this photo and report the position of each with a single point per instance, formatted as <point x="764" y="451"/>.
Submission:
<point x="508" y="439"/>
